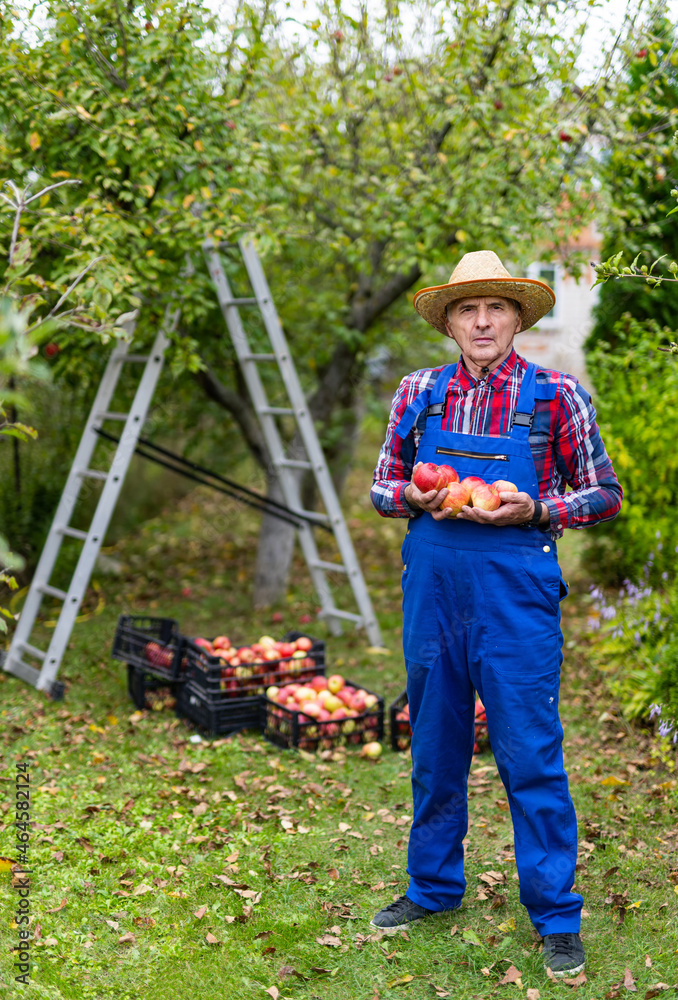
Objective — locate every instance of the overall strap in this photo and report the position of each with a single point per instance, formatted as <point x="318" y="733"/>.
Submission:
<point x="522" y="418"/>
<point x="431" y="400"/>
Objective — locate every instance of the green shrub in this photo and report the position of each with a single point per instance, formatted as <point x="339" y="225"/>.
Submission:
<point x="637" y="403"/>
<point x="637" y="647"/>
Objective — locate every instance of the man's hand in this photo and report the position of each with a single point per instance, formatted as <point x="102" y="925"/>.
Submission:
<point x="430" y="501"/>
<point x="516" y="508"/>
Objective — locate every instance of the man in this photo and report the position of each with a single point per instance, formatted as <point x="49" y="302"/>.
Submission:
<point x="481" y="591"/>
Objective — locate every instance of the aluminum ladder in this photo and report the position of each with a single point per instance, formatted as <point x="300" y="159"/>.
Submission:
<point x="288" y="468"/>
<point x="44" y="678"/>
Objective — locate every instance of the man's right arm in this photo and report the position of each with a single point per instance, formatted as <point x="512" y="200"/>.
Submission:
<point x="393" y="473"/>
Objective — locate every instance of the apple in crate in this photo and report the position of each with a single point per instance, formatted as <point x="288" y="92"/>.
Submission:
<point x="158" y="656"/>
<point x="335" y="683"/>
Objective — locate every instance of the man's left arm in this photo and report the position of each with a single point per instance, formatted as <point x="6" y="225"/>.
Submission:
<point x="581" y="459"/>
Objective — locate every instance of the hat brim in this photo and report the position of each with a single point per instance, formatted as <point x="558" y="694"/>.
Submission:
<point x="535" y="298"/>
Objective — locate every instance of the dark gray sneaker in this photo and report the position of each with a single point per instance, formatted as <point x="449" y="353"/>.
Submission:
<point x="400" y="914"/>
<point x="563" y="954"/>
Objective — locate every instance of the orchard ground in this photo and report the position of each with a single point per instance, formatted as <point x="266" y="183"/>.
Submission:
<point x="165" y="868"/>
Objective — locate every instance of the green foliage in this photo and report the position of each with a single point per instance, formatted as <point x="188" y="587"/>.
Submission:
<point x="637" y="403"/>
<point x="637" y="647"/>
<point x="641" y="187"/>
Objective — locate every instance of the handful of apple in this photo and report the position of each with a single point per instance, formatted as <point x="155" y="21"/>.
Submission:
<point x="330" y="710"/>
<point x="470" y="492"/>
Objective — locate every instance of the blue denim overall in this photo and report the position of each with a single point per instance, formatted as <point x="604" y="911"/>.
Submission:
<point x="481" y="611"/>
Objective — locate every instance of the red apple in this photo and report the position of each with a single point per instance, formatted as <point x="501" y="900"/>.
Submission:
<point x="335" y="683"/>
<point x="504" y="486"/>
<point x="451" y="475"/>
<point x="319" y="683"/>
<point x="303" y="643"/>
<point x="339" y="713"/>
<point x="472" y="481"/>
<point x="485" y="497"/>
<point x="459" y="495"/>
<point x="345" y="696"/>
<point x="221" y="642"/>
<point x="358" y="703"/>
<point x="427" y="476"/>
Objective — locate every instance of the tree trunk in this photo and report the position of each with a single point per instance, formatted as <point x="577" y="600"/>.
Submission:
<point x="274" y="552"/>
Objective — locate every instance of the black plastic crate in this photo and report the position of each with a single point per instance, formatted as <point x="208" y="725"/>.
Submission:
<point x="217" y="681"/>
<point x="282" y="726"/>
<point x="218" y="716"/>
<point x="151" y="645"/>
<point x="145" y="689"/>
<point x="401" y="730"/>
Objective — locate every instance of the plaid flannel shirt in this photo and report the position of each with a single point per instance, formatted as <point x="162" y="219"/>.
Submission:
<point x="564" y="438"/>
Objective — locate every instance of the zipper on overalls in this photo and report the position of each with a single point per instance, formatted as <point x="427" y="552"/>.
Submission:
<point x="470" y="454"/>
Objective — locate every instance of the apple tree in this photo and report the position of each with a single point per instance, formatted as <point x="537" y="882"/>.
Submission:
<point x="367" y="154"/>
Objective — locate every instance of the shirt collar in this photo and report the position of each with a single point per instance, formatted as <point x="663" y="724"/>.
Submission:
<point x="496" y="379"/>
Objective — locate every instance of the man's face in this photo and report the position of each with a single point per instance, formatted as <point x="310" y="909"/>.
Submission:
<point x="484" y="328"/>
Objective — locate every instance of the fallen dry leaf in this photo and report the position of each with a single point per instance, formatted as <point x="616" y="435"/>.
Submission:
<point x="512" y="975"/>
<point x="629" y="981"/>
<point x="656" y="989"/>
<point x="127" y="938"/>
<point x="331" y="940"/>
<point x="648" y="962"/>
<point x="50" y="942"/>
<point x="532" y="994"/>
<point x="454" y="931"/>
<point x="142" y="889"/>
<point x="64" y="902"/>
<point x="200" y="913"/>
<point x="377" y="887"/>
<point x="576" y="982"/>
<point x="401" y="981"/>
<point x="113" y="924"/>
<point x="285" y="971"/>
<point x="210" y="938"/>
<point x="273" y="991"/>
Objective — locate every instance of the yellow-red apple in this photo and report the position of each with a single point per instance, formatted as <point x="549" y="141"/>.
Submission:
<point x="485" y="497"/>
<point x="504" y="486"/>
<point x="458" y="496"/>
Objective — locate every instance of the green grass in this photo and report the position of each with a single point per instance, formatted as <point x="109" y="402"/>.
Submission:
<point x="122" y="802"/>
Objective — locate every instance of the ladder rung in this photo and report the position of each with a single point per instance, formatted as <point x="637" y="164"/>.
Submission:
<point x="293" y="463"/>
<point x="240" y="302"/>
<point x="73" y="533"/>
<point x="277" y="411"/>
<point x="93" y="474"/>
<point x="314" y="515"/>
<point x="258" y="357"/>
<point x="112" y="416"/>
<point x="332" y="567"/>
<point x="33" y="650"/>
<point x="53" y="591"/>
<point x="136" y="358"/>
<point x="335" y="613"/>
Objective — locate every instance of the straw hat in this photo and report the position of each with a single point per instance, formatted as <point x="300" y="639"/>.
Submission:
<point x="482" y="273"/>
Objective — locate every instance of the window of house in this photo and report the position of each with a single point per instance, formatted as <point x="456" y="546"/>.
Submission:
<point x="547" y="273"/>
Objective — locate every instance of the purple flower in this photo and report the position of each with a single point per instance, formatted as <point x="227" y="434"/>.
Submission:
<point x="593" y="624"/>
<point x="657" y="533"/>
<point x="636" y="636"/>
<point x="655" y="709"/>
<point x="665" y="728"/>
<point x="608" y="612"/>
